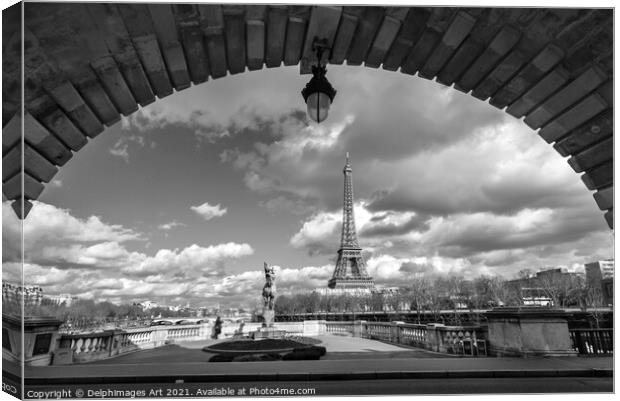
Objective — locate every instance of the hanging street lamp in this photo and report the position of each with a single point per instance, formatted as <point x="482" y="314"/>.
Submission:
<point x="318" y="93"/>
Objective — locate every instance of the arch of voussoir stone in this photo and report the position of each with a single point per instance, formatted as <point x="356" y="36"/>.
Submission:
<point x="87" y="64"/>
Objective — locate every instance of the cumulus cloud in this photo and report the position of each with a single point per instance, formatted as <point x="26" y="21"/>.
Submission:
<point x="89" y="258"/>
<point x="474" y="243"/>
<point x="206" y="259"/>
<point x="209" y="212"/>
<point x="286" y="163"/>
<point x="48" y="226"/>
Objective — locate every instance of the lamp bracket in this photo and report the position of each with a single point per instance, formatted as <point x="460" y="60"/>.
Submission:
<point x="318" y="47"/>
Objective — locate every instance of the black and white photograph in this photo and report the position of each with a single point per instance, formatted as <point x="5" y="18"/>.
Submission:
<point x="206" y="199"/>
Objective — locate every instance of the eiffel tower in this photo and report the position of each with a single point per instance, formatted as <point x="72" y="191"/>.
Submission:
<point x="350" y="272"/>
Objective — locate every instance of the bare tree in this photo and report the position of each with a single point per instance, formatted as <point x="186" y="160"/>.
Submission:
<point x="433" y="300"/>
<point x="594" y="301"/>
<point x="563" y="289"/>
<point x="417" y="295"/>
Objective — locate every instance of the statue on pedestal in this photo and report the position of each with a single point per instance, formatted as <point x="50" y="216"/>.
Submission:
<point x="269" y="295"/>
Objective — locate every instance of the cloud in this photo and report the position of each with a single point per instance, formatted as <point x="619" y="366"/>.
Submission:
<point x="209" y="212"/>
<point x="318" y="234"/>
<point x="497" y="170"/>
<point x="222" y="108"/>
<point x="471" y="243"/>
<point x="285" y="162"/>
<point x="207" y="260"/>
<point x="170" y="225"/>
<point x="89" y="258"/>
<point x="444" y="184"/>
<point x="121" y="146"/>
<point x="48" y="226"/>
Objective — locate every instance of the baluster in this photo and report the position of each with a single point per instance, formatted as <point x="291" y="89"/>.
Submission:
<point x="574" y="341"/>
<point x="83" y="345"/>
<point x="599" y="345"/>
<point x="608" y="343"/>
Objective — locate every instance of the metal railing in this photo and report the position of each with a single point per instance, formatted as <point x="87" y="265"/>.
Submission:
<point x="593" y="341"/>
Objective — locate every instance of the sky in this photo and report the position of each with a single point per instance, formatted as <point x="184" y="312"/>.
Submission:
<point x="183" y="201"/>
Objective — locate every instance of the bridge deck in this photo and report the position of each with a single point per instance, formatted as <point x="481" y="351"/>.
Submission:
<point x="370" y="360"/>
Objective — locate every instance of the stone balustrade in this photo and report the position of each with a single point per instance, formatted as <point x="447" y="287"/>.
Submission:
<point x="341" y="328"/>
<point x="79" y="348"/>
<point x="459" y="340"/>
<point x="592" y="341"/>
<point x="85" y="347"/>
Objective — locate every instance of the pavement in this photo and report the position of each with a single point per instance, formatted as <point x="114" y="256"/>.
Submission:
<point x="347" y="358"/>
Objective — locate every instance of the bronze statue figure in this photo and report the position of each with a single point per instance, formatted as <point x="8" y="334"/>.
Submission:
<point x="269" y="289"/>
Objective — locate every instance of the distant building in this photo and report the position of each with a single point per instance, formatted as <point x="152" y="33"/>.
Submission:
<point x="532" y="289"/>
<point x="388" y="290"/>
<point x="67" y="299"/>
<point x="12" y="294"/>
<point x="535" y="296"/>
<point x="361" y="291"/>
<point x="146" y="305"/>
<point x="600" y="275"/>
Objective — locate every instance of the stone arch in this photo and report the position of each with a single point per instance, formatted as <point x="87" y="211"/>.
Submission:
<point x="87" y="64"/>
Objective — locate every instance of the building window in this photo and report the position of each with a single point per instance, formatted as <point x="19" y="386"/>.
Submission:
<point x="6" y="341"/>
<point x="42" y="344"/>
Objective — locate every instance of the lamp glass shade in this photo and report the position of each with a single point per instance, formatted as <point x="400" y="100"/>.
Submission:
<point x="318" y="106"/>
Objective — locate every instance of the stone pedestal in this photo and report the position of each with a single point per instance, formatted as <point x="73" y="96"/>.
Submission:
<point x="358" y="328"/>
<point x="433" y="337"/>
<point x="268" y="317"/>
<point x="313" y="327"/>
<point x="529" y="331"/>
<point x="40" y="339"/>
<point x="267" y="332"/>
